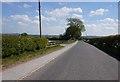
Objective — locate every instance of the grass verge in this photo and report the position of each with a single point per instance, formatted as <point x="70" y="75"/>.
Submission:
<point x="68" y="42"/>
<point x="15" y="60"/>
<point x="64" y="41"/>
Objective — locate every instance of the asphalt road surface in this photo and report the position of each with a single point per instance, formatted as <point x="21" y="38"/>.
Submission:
<point x="82" y="62"/>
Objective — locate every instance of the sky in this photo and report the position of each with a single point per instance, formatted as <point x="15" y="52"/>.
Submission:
<point x="99" y="18"/>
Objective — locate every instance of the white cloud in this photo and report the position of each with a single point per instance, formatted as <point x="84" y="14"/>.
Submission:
<point x="46" y="18"/>
<point x="77" y="16"/>
<point x="30" y="24"/>
<point x="35" y="22"/>
<point x="91" y="25"/>
<point x="110" y="28"/>
<point x="26" y="6"/>
<point x="26" y="20"/>
<point x="109" y="22"/>
<point x="107" y="26"/>
<point x="21" y="23"/>
<point x="99" y="30"/>
<point x="61" y="12"/>
<point x="21" y="19"/>
<point x="100" y="11"/>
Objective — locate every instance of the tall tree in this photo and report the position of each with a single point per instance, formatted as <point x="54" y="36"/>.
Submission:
<point x="75" y="28"/>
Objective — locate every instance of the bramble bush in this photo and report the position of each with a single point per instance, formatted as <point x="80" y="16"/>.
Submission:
<point x="110" y="44"/>
<point x="15" y="45"/>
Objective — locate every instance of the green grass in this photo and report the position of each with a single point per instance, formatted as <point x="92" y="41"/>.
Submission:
<point x="14" y="60"/>
<point x="64" y="41"/>
<point x="68" y="42"/>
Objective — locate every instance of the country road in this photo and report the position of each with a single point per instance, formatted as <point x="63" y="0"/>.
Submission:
<point x="82" y="62"/>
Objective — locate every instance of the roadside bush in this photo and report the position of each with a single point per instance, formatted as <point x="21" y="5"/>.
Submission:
<point x="110" y="44"/>
<point x="40" y="42"/>
<point x="24" y="34"/>
<point x="15" y="45"/>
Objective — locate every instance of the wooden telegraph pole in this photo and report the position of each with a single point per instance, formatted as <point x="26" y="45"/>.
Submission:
<point x="39" y="17"/>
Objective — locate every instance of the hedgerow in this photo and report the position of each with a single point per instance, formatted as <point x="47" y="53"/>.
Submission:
<point x="15" y="45"/>
<point x="110" y="44"/>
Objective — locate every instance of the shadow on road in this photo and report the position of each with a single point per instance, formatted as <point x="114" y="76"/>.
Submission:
<point x="115" y="55"/>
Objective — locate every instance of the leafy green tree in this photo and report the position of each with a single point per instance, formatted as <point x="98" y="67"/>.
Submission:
<point x="75" y="28"/>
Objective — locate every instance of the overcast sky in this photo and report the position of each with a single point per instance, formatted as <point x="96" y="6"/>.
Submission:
<point x="100" y="18"/>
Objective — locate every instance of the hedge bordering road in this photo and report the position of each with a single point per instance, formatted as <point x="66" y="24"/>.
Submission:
<point x="110" y="44"/>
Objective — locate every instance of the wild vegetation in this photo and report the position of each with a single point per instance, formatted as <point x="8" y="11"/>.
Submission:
<point x="20" y="48"/>
<point x="15" y="45"/>
<point x="109" y="44"/>
<point x="26" y="56"/>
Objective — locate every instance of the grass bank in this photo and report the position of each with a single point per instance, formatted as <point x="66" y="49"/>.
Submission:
<point x="64" y="41"/>
<point x="26" y="56"/>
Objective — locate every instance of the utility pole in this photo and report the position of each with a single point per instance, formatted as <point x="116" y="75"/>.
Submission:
<point x="39" y="17"/>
